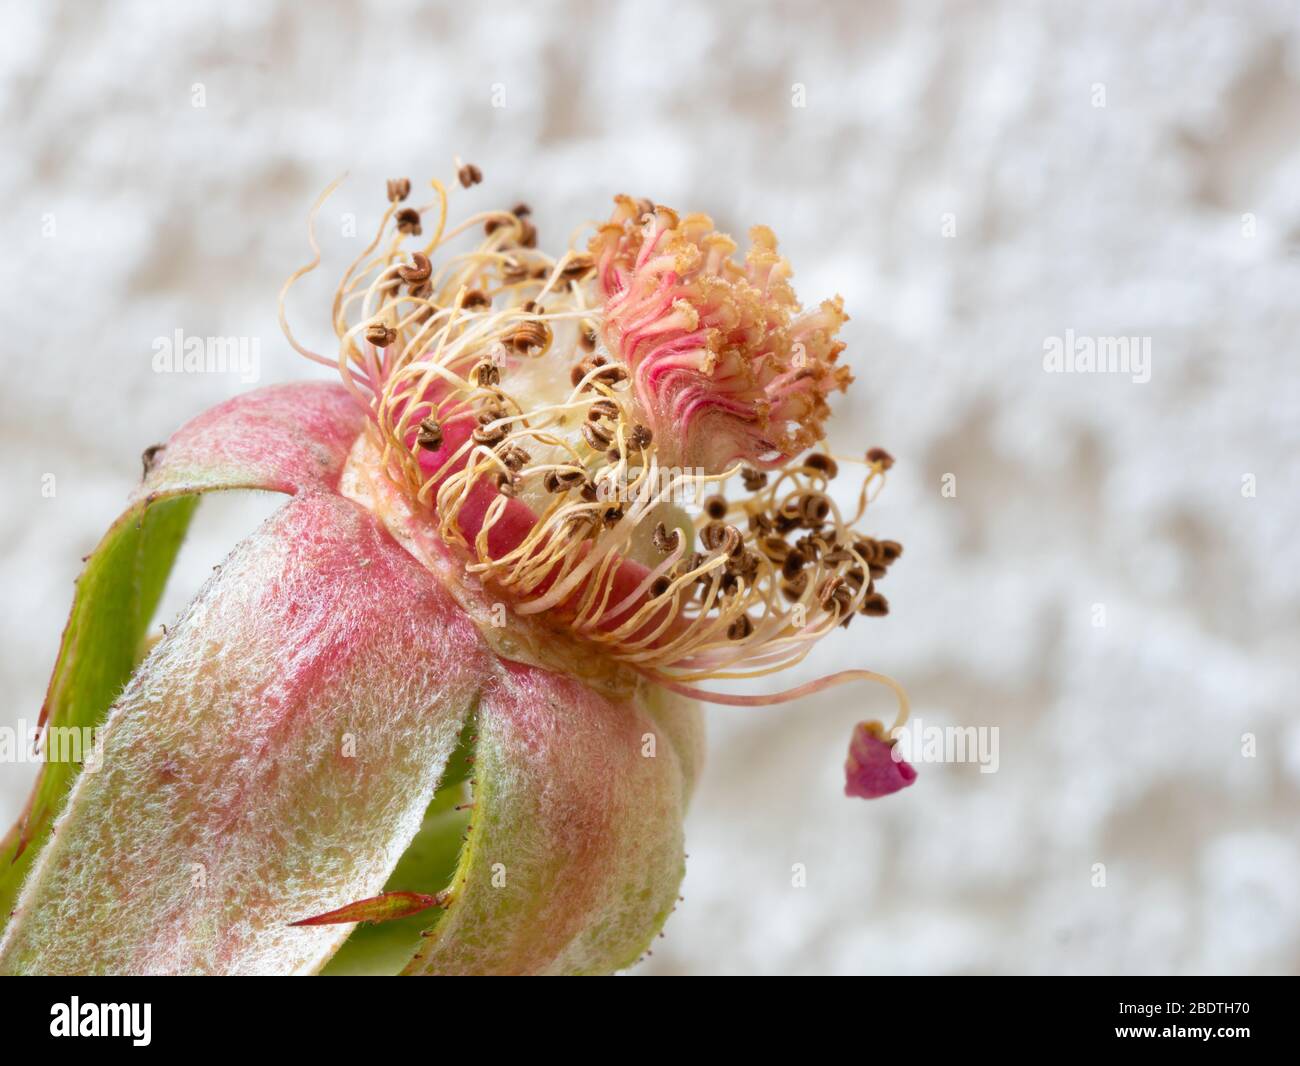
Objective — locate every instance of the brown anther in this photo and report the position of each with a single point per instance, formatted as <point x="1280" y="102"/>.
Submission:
<point x="489" y="434"/>
<point x="813" y="509"/>
<point x="588" y="491"/>
<point x="596" y="435"/>
<point x="380" y="335"/>
<point x="775" y="548"/>
<point x="875" y="605"/>
<point x="505" y="483"/>
<point x="855" y="577"/>
<point x="469" y="175"/>
<point x="834" y="594"/>
<point x="521" y="209"/>
<point x="561" y="480"/>
<point x="793" y="563"/>
<point x="398" y="189"/>
<point x="881" y="457"/>
<point x="890" y="550"/>
<point x="527" y="234"/>
<point x="513" y="270"/>
<point x="610" y="374"/>
<point x="408" y="221"/>
<point x="429" y="436"/>
<point x="587" y="335"/>
<point x="740" y="628"/>
<point x="475" y="299"/>
<point x="794" y="588"/>
<point x="641" y="437"/>
<point x="614" y="455"/>
<point x="602" y="408"/>
<point x="607" y="375"/>
<point x="724" y="539"/>
<point x="486" y="374"/>
<point x="823" y="464"/>
<point x="418" y="271"/>
<point x="528" y="337"/>
<point x="660" y="586"/>
<point x="515" y="457"/>
<point x="868" y="549"/>
<point x="754" y="479"/>
<point x="666" y="540"/>
<point x="716" y="507"/>
<point x="760" y="524"/>
<point x="577" y="267"/>
<point x="744" y="566"/>
<point x="612" y="515"/>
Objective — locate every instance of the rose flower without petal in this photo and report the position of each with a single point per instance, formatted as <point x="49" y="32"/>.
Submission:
<point x="438" y="715"/>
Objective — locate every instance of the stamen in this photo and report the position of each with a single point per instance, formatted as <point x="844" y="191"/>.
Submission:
<point x="557" y="468"/>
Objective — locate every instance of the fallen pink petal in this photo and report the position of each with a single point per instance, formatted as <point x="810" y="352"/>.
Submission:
<point x="873" y="768"/>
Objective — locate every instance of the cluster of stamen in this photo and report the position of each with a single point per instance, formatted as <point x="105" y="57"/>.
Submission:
<point x="503" y="408"/>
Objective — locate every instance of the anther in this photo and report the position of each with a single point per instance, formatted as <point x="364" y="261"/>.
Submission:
<point x="418" y="271"/>
<point x="515" y="457"/>
<point x="740" y="628"/>
<point x="398" y="189"/>
<point x="754" y="480"/>
<point x="469" y="175"/>
<point x="577" y="267"/>
<point x="529" y="336"/>
<point x="602" y="409"/>
<point x="775" y="548"/>
<point x="880" y="457"/>
<point x="716" y="507"/>
<point x="475" y="299"/>
<point x="723" y="539"/>
<point x="429" y="436"/>
<point x="666" y="540"/>
<point x="489" y="435"/>
<point x="823" y="464"/>
<point x="596" y="435"/>
<point x="874" y="605"/>
<point x="408" y="221"/>
<point x="486" y="375"/>
<point x="813" y="509"/>
<point x="380" y="335"/>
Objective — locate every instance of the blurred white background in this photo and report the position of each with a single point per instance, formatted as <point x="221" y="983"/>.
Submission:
<point x="1112" y="168"/>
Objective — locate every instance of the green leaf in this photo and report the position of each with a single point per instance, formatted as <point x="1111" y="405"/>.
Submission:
<point x="116" y="597"/>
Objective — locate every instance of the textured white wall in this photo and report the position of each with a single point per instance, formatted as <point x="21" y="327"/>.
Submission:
<point x="1119" y="744"/>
